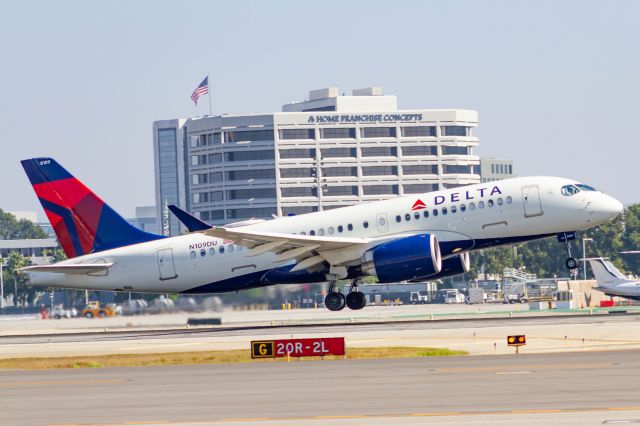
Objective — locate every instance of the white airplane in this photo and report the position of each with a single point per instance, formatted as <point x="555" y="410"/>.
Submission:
<point x="425" y="236"/>
<point x="612" y="282"/>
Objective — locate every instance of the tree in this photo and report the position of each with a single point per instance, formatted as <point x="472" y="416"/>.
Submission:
<point x="13" y="229"/>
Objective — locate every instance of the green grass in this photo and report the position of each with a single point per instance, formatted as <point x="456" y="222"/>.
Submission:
<point x="212" y="357"/>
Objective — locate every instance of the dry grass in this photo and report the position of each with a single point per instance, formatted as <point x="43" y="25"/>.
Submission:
<point x="213" y="357"/>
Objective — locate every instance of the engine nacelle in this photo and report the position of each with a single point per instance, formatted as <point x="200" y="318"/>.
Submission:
<point x="404" y="259"/>
<point x="452" y="266"/>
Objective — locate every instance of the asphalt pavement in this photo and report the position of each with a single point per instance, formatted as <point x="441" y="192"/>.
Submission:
<point x="567" y="388"/>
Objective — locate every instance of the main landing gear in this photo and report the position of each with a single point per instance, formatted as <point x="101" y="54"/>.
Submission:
<point x="335" y="301"/>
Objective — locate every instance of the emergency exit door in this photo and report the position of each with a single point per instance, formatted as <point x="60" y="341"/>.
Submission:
<point x="165" y="264"/>
<point x="531" y="201"/>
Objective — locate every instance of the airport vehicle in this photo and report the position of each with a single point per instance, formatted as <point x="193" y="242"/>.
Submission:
<point x="58" y="312"/>
<point x="476" y="295"/>
<point x="422" y="236"/>
<point x="94" y="310"/>
<point x="612" y="282"/>
<point x="419" y="297"/>
<point x="453" y="296"/>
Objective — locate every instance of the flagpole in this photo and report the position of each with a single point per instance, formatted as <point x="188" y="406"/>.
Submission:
<point x="209" y="93"/>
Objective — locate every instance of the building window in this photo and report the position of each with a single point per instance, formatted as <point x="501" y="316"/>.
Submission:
<point x="453" y="185"/>
<point x="339" y="171"/>
<point x="332" y="191"/>
<point x="246" y="194"/>
<point x="251" y="212"/>
<point x="419" y="188"/>
<point x="456" y="169"/>
<point x="287" y="134"/>
<point x="299" y="191"/>
<point x="215" y="196"/>
<point x="378" y="132"/>
<point x="455" y="150"/>
<point x="250" y="174"/>
<point x="338" y="133"/>
<point x="380" y="189"/>
<point x="338" y="153"/>
<point x="297" y="153"/>
<point x="297" y="173"/>
<point x="380" y="151"/>
<point x="380" y="171"/>
<point x="214" y="158"/>
<point x="455" y="131"/>
<point x="248" y="135"/>
<point x="290" y="211"/>
<point x="215" y="177"/>
<point x="415" y="131"/>
<point x="421" y="169"/>
<point x="249" y="155"/>
<point x="419" y="150"/>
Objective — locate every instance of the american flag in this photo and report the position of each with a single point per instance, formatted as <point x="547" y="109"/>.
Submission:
<point x="203" y="88"/>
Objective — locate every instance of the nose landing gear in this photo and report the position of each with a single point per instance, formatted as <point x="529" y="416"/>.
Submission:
<point x="571" y="263"/>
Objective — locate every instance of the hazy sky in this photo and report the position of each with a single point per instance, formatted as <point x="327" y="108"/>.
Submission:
<point x="555" y="83"/>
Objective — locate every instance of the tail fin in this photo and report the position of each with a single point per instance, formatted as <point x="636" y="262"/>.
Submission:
<point x="606" y="274"/>
<point x="82" y="222"/>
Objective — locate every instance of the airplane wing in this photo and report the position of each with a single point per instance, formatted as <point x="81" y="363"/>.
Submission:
<point x="308" y="250"/>
<point x="78" y="269"/>
<point x="630" y="252"/>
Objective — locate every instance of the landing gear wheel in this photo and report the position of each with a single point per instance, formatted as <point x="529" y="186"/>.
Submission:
<point x="571" y="263"/>
<point x="356" y="300"/>
<point x="334" y="301"/>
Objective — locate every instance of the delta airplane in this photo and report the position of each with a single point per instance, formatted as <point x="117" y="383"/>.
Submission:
<point x="612" y="282"/>
<point x="414" y="237"/>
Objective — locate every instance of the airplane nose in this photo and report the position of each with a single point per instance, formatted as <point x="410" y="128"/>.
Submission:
<point x="612" y="207"/>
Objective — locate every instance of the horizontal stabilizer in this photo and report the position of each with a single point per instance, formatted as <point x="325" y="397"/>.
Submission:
<point x="79" y="269"/>
<point x="192" y="223"/>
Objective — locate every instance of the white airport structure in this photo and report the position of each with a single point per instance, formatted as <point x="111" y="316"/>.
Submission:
<point x="329" y="151"/>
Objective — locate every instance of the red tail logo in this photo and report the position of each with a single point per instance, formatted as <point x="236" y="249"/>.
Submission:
<point x="419" y="205"/>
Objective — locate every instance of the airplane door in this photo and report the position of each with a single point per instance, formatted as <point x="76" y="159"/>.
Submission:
<point x="165" y="264"/>
<point x="531" y="201"/>
<point x="383" y="223"/>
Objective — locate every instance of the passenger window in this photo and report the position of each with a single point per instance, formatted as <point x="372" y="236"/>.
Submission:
<point x="350" y="227"/>
<point x="509" y="199"/>
<point x="435" y="212"/>
<point x="231" y="248"/>
<point x="365" y="224"/>
<point x="340" y="228"/>
<point x="407" y="217"/>
<point x="490" y="203"/>
<point x="212" y="251"/>
<point x="454" y="209"/>
<point x="330" y="230"/>
<point x="240" y="248"/>
<point x="203" y="252"/>
<point x="444" y="210"/>
<point x="192" y="254"/>
<point x="472" y="206"/>
<point x="416" y="215"/>
<point x="500" y="201"/>
<point x="398" y="218"/>
<point x="303" y="233"/>
<point x="312" y="232"/>
<point x="221" y="249"/>
<point x="481" y="204"/>
<point x="463" y="207"/>
<point x="381" y="221"/>
<point x="426" y="214"/>
<point x="321" y="231"/>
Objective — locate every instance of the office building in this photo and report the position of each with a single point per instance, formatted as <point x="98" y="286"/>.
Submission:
<point x="492" y="169"/>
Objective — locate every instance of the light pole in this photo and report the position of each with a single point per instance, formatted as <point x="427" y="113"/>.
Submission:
<point x="584" y="257"/>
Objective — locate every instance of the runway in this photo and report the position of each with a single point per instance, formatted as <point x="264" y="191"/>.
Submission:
<point x="477" y="336"/>
<point x="569" y="388"/>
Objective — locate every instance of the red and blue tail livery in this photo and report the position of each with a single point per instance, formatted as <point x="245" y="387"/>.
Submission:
<point x="82" y="222"/>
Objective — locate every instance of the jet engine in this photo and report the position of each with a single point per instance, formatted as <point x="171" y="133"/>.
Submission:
<point x="454" y="265"/>
<point x="404" y="259"/>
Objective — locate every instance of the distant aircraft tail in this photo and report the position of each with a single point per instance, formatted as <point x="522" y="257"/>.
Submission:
<point x="82" y="222"/>
<point x="606" y="274"/>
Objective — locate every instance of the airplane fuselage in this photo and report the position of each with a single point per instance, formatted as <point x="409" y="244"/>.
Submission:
<point x="463" y="219"/>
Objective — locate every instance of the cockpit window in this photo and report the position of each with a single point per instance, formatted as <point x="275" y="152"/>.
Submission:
<point x="585" y="187"/>
<point x="569" y="190"/>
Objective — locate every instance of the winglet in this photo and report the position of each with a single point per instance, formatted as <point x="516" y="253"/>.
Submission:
<point x="192" y="223"/>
